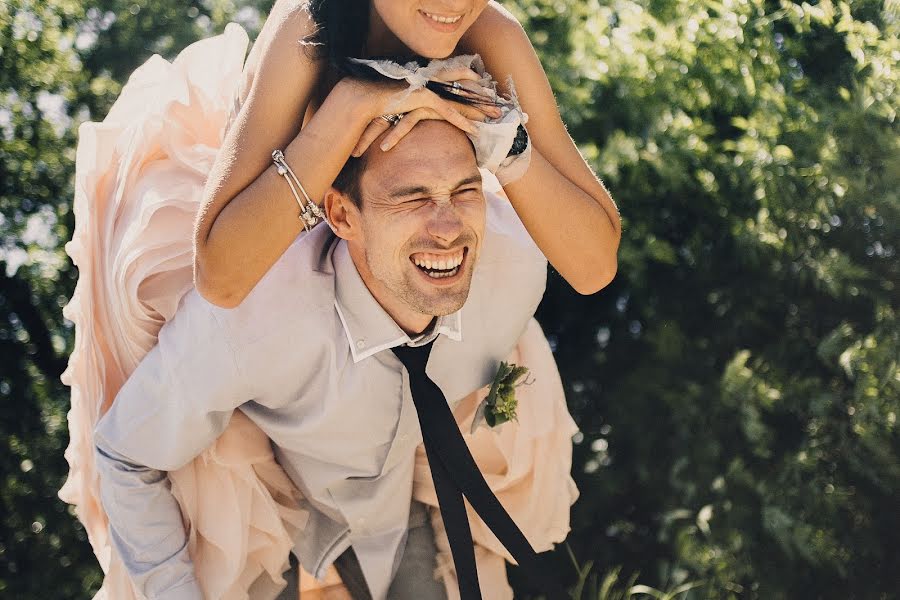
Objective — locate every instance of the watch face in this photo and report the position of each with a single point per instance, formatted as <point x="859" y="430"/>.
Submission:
<point x="520" y="143"/>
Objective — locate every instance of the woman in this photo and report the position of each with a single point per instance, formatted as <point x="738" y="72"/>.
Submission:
<point x="141" y="177"/>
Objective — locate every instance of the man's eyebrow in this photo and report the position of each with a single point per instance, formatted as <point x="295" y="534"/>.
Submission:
<point x="421" y="189"/>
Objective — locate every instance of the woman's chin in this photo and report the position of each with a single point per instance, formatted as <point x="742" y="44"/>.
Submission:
<point x="434" y="51"/>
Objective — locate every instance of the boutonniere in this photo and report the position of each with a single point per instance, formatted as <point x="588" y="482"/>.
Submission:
<point x="499" y="406"/>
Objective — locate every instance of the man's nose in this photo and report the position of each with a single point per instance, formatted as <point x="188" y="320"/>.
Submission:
<point x="445" y="222"/>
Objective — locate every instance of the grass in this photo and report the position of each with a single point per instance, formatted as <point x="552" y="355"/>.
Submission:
<point x="590" y="586"/>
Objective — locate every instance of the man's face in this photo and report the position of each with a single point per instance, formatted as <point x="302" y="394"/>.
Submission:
<point x="422" y="218"/>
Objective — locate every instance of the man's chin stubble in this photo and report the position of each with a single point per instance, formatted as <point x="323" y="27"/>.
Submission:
<point x="442" y="305"/>
<point x="434" y="308"/>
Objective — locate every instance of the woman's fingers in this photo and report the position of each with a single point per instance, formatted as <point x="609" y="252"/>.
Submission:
<point x="424" y="97"/>
<point x="448" y="108"/>
<point x="477" y="90"/>
<point x="375" y="128"/>
<point x="475" y="112"/>
<point x="484" y="104"/>
<point x="410" y="119"/>
<point x="449" y="113"/>
<point x="405" y="125"/>
<point x="456" y="74"/>
<point x="420" y="105"/>
<point x="467" y="79"/>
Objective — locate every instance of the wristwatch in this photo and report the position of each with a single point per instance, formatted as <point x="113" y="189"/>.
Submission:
<point x="520" y="142"/>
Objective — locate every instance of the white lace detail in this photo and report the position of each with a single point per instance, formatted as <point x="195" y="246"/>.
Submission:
<point x="495" y="136"/>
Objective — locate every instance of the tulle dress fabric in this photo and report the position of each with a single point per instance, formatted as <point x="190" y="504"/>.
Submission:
<point x="138" y="185"/>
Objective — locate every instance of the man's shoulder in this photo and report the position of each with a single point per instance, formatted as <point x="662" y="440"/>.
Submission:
<point x="510" y="276"/>
<point x="293" y="296"/>
<point x="505" y="238"/>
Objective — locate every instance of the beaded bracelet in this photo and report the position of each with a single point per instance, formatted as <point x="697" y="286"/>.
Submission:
<point x="311" y="213"/>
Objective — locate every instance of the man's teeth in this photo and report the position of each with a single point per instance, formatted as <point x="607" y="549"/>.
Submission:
<point x="438" y="262"/>
<point x="442" y="19"/>
<point x="437" y="275"/>
<point x="438" y="267"/>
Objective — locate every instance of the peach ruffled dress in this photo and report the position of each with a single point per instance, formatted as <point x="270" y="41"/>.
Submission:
<point x="138" y="185"/>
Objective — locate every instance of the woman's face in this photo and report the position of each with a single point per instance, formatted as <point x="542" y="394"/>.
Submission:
<point x="430" y="28"/>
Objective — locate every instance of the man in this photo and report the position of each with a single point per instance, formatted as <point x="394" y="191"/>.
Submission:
<point x="420" y="256"/>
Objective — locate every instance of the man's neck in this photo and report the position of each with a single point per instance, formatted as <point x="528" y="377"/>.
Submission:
<point x="426" y="332"/>
<point x="413" y="323"/>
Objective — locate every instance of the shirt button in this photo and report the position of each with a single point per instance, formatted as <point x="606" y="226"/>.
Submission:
<point x="361" y="521"/>
<point x="360" y="344"/>
<point x="403" y="437"/>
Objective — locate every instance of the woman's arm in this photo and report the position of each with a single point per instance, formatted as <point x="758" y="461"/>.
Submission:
<point x="562" y="204"/>
<point x="249" y="216"/>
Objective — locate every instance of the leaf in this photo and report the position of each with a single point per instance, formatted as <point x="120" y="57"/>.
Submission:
<point x="646" y="589"/>
<point x="515" y="375"/>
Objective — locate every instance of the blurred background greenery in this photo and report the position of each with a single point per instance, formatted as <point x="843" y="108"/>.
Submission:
<point x="737" y="383"/>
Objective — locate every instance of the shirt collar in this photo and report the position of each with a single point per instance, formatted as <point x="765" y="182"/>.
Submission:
<point x="368" y="327"/>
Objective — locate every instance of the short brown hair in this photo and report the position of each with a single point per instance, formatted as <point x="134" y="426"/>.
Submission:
<point x="347" y="181"/>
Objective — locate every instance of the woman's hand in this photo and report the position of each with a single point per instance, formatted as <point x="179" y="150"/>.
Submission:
<point x="422" y="104"/>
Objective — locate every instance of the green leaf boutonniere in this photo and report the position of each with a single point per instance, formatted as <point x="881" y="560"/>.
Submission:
<point x="500" y="404"/>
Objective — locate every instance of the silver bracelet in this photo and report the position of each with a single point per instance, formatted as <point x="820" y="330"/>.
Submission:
<point x="309" y="214"/>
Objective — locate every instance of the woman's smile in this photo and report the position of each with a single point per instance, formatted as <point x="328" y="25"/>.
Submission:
<point x="442" y="23"/>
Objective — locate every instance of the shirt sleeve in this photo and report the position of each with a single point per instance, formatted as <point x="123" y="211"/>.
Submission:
<point x="177" y="401"/>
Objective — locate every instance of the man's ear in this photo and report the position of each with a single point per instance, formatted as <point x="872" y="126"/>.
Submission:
<point x="342" y="214"/>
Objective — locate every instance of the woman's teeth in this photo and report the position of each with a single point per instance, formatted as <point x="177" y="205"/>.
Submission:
<point x="442" y="19"/>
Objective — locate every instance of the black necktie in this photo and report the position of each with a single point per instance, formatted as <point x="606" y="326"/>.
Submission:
<point x="455" y="473"/>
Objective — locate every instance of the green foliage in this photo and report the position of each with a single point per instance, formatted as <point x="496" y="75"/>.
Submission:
<point x="61" y="63"/>
<point x="736" y="385"/>
<point x="501" y="398"/>
<point x="590" y="587"/>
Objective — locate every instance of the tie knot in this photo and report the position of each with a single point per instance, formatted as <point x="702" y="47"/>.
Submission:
<point x="414" y="358"/>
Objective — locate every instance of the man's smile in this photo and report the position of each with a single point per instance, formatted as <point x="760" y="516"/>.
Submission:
<point x="442" y="267"/>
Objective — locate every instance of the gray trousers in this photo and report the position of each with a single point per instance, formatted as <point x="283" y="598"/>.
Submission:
<point x="414" y="579"/>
